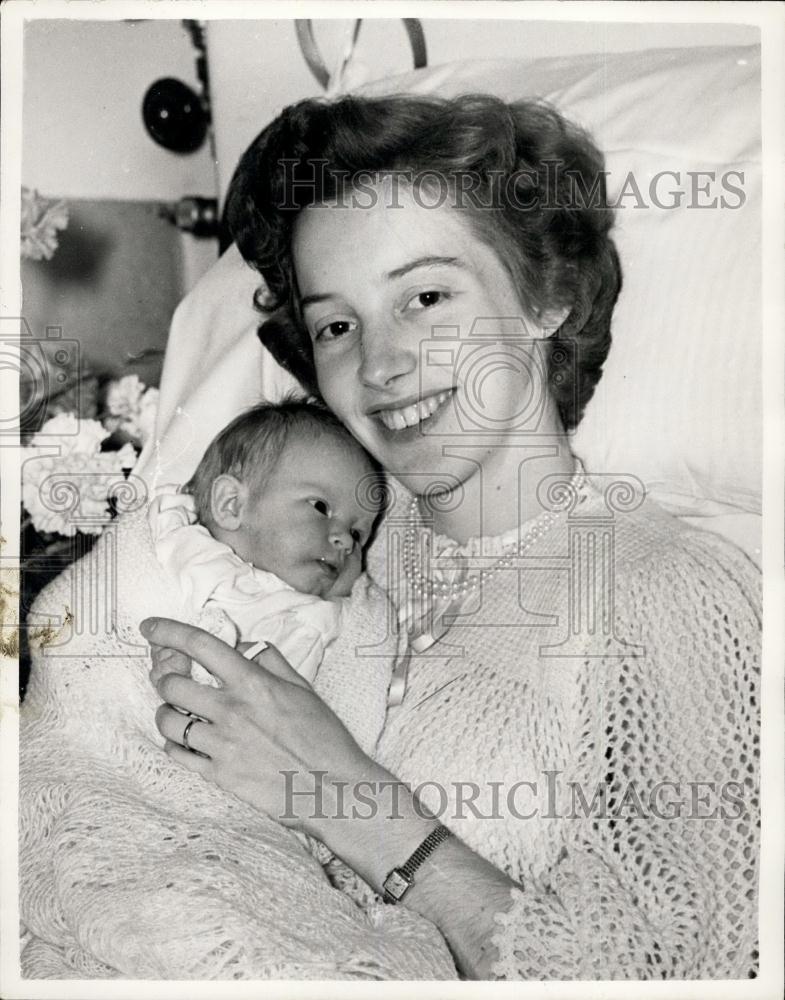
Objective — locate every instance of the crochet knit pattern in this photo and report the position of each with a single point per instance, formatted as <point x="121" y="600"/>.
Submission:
<point x="666" y="727"/>
<point x="132" y="866"/>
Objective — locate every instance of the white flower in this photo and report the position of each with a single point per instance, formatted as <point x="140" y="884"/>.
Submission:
<point x="40" y="221"/>
<point x="132" y="407"/>
<point x="123" y="396"/>
<point x="70" y="492"/>
<point x="71" y="434"/>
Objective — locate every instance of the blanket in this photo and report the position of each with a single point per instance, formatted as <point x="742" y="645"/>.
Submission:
<point x="133" y="867"/>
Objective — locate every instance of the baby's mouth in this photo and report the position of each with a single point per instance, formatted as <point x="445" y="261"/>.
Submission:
<point x="328" y="568"/>
<point x="412" y="414"/>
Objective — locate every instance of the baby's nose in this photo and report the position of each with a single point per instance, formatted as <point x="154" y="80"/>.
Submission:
<point x="341" y="538"/>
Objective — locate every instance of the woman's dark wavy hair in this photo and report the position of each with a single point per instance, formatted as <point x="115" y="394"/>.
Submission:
<point x="557" y="248"/>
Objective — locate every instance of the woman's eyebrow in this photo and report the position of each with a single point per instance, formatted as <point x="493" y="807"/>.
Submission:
<point x="308" y="300"/>
<point x="398" y="272"/>
<point x="412" y="265"/>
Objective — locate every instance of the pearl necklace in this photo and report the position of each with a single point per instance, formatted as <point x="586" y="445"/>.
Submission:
<point x="424" y="586"/>
<point x="419" y="614"/>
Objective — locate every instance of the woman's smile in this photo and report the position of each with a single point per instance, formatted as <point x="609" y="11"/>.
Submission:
<point x="407" y="414"/>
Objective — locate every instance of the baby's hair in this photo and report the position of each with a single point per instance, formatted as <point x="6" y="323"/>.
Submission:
<point x="250" y="446"/>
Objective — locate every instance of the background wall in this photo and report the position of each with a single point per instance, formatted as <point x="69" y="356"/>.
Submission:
<point x="112" y="284"/>
<point x="120" y="270"/>
<point x="257" y="68"/>
<point x="82" y="133"/>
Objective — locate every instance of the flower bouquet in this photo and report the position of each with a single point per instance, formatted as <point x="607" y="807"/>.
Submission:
<point x="75" y="480"/>
<point x="73" y="465"/>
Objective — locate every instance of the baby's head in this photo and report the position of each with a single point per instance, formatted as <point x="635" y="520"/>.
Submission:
<point x="280" y="485"/>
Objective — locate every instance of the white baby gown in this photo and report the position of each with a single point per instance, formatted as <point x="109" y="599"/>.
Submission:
<point x="234" y="599"/>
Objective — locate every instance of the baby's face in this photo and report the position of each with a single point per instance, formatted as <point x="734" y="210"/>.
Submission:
<point x="306" y="525"/>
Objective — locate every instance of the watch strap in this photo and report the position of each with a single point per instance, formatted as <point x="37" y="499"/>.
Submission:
<point x="401" y="879"/>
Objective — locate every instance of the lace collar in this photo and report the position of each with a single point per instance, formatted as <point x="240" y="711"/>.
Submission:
<point x="494" y="546"/>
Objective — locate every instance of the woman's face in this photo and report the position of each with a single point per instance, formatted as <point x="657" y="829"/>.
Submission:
<point x="418" y="335"/>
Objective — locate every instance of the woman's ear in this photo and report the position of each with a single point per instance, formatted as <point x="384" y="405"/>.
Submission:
<point x="227" y="500"/>
<point x="549" y="320"/>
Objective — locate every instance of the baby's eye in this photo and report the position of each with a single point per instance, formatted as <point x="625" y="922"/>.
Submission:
<point x="321" y="506"/>
<point x="425" y="300"/>
<point x="335" y="329"/>
<point x="357" y="536"/>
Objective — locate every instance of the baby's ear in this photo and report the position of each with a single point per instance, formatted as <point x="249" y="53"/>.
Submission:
<point x="227" y="499"/>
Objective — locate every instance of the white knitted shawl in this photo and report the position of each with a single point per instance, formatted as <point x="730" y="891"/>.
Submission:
<point x="651" y="698"/>
<point x="131" y="866"/>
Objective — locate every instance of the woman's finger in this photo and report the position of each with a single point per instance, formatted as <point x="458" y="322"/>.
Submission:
<point x="200" y="765"/>
<point x="213" y="653"/>
<point x="190" y="695"/>
<point x="277" y="664"/>
<point x="173" y="724"/>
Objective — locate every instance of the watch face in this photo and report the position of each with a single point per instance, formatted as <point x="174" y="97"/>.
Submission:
<point x="396" y="883"/>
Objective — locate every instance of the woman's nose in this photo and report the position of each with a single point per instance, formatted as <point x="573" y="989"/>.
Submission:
<point x="386" y="356"/>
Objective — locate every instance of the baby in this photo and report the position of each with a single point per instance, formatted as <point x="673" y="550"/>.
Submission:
<point x="267" y="538"/>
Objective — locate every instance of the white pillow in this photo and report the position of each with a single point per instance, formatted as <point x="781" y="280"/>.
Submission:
<point x="215" y="367"/>
<point x="679" y="403"/>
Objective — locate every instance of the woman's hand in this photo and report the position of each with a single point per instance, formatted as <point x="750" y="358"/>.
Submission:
<point x="171" y="661"/>
<point x="264" y="720"/>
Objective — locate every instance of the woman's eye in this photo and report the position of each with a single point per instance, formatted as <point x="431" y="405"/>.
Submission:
<point x="337" y="328"/>
<point x="321" y="506"/>
<point x="425" y="300"/>
<point x="357" y="537"/>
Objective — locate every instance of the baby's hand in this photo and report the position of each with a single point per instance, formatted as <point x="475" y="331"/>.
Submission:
<point x="203" y="676"/>
<point x="168" y="661"/>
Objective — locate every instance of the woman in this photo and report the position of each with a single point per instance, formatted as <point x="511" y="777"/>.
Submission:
<point x="580" y="708"/>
